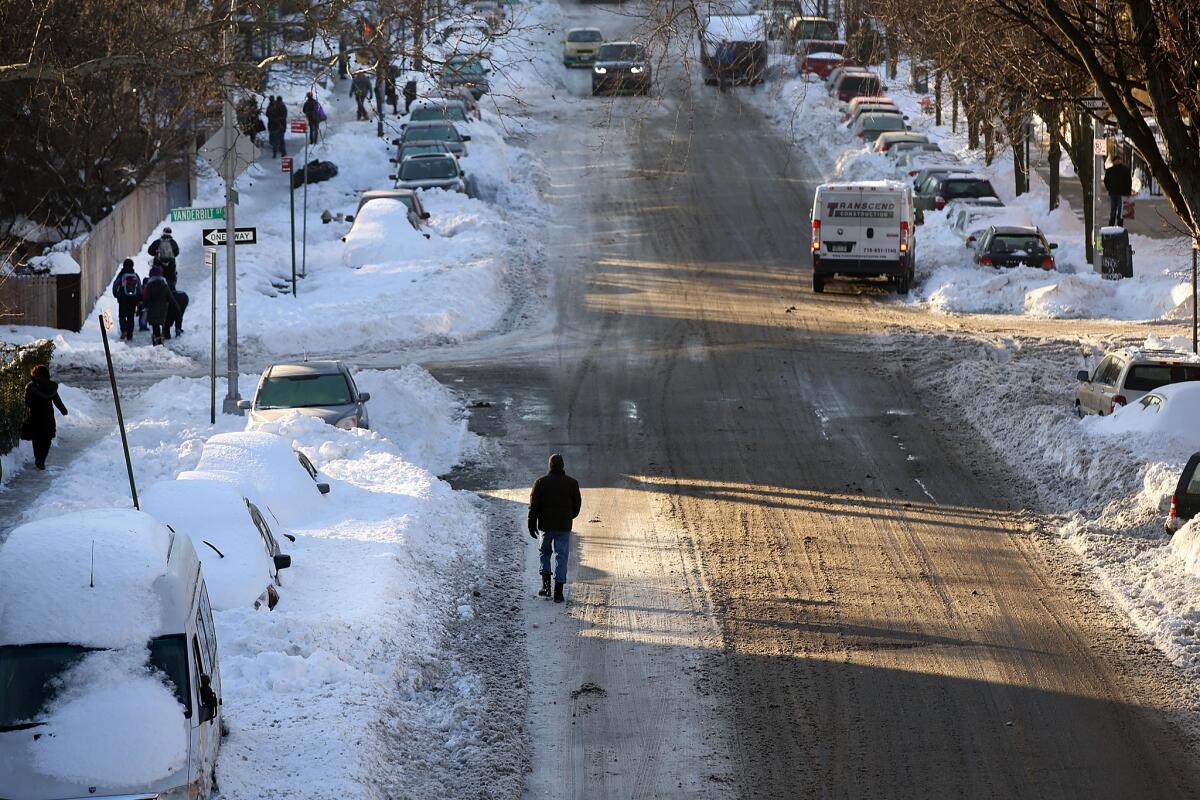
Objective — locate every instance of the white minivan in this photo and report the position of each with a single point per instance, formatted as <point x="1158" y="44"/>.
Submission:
<point x="863" y="229"/>
<point x="109" y="685"/>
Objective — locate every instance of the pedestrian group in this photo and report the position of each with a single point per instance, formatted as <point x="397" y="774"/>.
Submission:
<point x="155" y="304"/>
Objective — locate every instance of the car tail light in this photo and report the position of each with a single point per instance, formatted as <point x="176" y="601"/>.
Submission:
<point x="1048" y="262"/>
<point x="970" y="240"/>
<point x="1117" y="400"/>
<point x="912" y="173"/>
<point x="1174" y="511"/>
<point x="939" y="202"/>
<point x="816" y="235"/>
<point x="985" y="261"/>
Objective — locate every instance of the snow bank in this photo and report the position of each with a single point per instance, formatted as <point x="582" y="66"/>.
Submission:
<point x="114" y="723"/>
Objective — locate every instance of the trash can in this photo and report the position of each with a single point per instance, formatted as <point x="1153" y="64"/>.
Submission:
<point x="1116" y="256"/>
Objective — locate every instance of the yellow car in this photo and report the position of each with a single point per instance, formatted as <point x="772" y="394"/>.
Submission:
<point x="580" y="46"/>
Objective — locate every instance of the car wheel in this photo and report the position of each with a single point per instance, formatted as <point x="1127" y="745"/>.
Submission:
<point x="818" y="283"/>
<point x="903" y="283"/>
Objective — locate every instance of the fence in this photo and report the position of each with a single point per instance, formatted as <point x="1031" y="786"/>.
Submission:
<point x="29" y="300"/>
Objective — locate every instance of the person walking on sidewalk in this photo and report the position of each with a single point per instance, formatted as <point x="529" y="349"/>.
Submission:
<point x="315" y="116"/>
<point x="360" y="89"/>
<point x="41" y="396"/>
<point x="127" y="289"/>
<point x="277" y="126"/>
<point x="158" y="296"/>
<point x="1118" y="182"/>
<point x="553" y="503"/>
<point x="164" y="250"/>
<point x="410" y="94"/>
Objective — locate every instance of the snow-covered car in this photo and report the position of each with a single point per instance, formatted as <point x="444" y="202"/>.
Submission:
<point x="321" y="389"/>
<point x="439" y="111"/>
<point x="885" y="141"/>
<point x="580" y="46"/>
<point x="410" y="149"/>
<point x="872" y="108"/>
<point x="899" y="149"/>
<point x="383" y="231"/>
<point x="1007" y="246"/>
<point x="821" y="64"/>
<point x="467" y="71"/>
<point x="238" y="550"/>
<point x="435" y="131"/>
<point x="431" y="171"/>
<point x="912" y="157"/>
<point x="109" y="681"/>
<point x="968" y="221"/>
<point x="1171" y="411"/>
<point x="869" y="127"/>
<point x="465" y="36"/>
<point x="854" y="105"/>
<point x="416" y="212"/>
<point x="1124" y="376"/>
<point x="938" y="190"/>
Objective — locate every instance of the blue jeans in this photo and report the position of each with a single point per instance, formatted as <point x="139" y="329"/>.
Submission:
<point x="560" y="541"/>
<point x="1116" y="210"/>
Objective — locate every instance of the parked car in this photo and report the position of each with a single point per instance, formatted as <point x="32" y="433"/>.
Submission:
<point x="1170" y="413"/>
<point x="467" y="71"/>
<point x="871" y="108"/>
<point x="431" y="171"/>
<point x="937" y="190"/>
<point x="438" y="111"/>
<point x="580" y="47"/>
<point x="106" y="635"/>
<point x="436" y="131"/>
<point x="1125" y="376"/>
<point x="238" y="550"/>
<point x="621" y="67"/>
<point x="814" y="35"/>
<point x="1185" y="502"/>
<point x="470" y="35"/>
<point x="836" y="73"/>
<point x="417" y="215"/>
<point x="913" y="160"/>
<point x="821" y="64"/>
<point x="868" y="126"/>
<point x="321" y="389"/>
<point x="916" y="149"/>
<point x="850" y="85"/>
<point x="887" y="140"/>
<point x="863" y="229"/>
<point x="1014" y="246"/>
<point x="419" y="148"/>
<point x="953" y="206"/>
<point x="969" y="222"/>
<point x="858" y="102"/>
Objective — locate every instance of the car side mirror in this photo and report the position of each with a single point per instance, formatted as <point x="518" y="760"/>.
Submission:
<point x="391" y="176"/>
<point x="364" y="397"/>
<point x="244" y="405"/>
<point x="424" y="215"/>
<point x="462" y="174"/>
<point x="466" y="138"/>
<point x="1082" y="376"/>
<point x="393" y="161"/>
<point x="289" y="537"/>
<point x="1054" y="245"/>
<point x="282" y="561"/>
<point x="349" y="218"/>
<point x="208" y="699"/>
<point x="396" y="142"/>
<point x="323" y="488"/>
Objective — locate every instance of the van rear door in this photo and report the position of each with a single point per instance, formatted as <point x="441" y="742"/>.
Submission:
<point x="860" y="224"/>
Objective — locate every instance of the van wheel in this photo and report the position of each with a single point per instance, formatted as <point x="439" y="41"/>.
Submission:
<point x="903" y="283"/>
<point x="818" y="284"/>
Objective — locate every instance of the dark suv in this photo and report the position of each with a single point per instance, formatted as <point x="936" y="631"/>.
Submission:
<point x="1014" y="246"/>
<point x="1185" y="503"/>
<point x="937" y="190"/>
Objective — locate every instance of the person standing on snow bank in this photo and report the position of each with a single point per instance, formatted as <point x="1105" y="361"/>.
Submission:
<point x="277" y="126"/>
<point x="553" y="503"/>
<point x="1118" y="182"/>
<point x="127" y="289"/>
<point x="315" y="116"/>
<point x="41" y="396"/>
<point x="157" y="294"/>
<point x="360" y="89"/>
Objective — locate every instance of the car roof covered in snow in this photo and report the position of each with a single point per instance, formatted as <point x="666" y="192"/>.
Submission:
<point x="735" y="28"/>
<point x="269" y="471"/>
<point x="304" y="368"/>
<point x="104" y="578"/>
<point x="1017" y="230"/>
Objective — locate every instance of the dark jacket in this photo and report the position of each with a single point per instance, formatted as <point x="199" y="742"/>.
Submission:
<point x="164" y="246"/>
<point x="40" y="397"/>
<point x="361" y="85"/>
<point x="554" y="502"/>
<point x="158" y="296"/>
<point x="310" y="111"/>
<point x="1118" y="180"/>
<point x="169" y="271"/>
<point x="277" y="116"/>
<point x="120" y="279"/>
<point x="410" y="90"/>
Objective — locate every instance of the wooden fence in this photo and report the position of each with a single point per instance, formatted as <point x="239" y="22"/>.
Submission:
<point x="29" y="300"/>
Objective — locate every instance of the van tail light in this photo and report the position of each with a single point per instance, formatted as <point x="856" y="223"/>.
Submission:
<point x="1048" y="262"/>
<point x="816" y="235"/>
<point x="904" y="236"/>
<point x="985" y="261"/>
<point x="1117" y="400"/>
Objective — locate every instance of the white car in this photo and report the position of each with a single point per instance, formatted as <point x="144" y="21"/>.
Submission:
<point x="1123" y="376"/>
<point x="237" y="548"/>
<point x="1171" y="411"/>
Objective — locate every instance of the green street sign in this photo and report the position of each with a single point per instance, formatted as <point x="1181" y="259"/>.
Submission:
<point x="197" y="214"/>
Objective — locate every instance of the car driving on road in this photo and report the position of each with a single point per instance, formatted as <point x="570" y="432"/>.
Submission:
<point x="431" y="171"/>
<point x="1014" y="246"/>
<point x="580" y="47"/>
<point x="1125" y="375"/>
<point x="621" y="67"/>
<point x="321" y="389"/>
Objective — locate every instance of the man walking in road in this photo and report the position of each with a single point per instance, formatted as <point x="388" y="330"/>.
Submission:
<point x="553" y="503"/>
<point x="1118" y="182"/>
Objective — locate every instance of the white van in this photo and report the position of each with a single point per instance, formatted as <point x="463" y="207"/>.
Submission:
<point x="863" y="229"/>
<point x="109" y="685"/>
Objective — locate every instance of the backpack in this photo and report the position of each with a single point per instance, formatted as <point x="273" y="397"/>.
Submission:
<point x="130" y="287"/>
<point x="320" y="111"/>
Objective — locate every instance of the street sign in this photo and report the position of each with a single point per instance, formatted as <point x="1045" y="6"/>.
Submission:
<point x="106" y="318"/>
<point x="1100" y="147"/>
<point x="210" y="257"/>
<point x="215" y="236"/>
<point x="285" y="165"/>
<point x="299" y="126"/>
<point x="1093" y="103"/>
<point x="197" y="214"/>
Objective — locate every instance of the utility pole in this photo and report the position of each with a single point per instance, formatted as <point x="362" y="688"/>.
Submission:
<point x="1099" y="153"/>
<point x="230" y="405"/>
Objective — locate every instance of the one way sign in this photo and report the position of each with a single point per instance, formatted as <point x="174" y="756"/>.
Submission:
<point x="215" y="236"/>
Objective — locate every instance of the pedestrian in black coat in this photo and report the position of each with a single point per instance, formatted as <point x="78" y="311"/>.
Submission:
<point x="41" y="396"/>
<point x="313" y="113"/>
<point x="360" y="90"/>
<point x="553" y="503"/>
<point x="164" y="250"/>
<point x="277" y="126"/>
<point x="1118" y="182"/>
<point x="127" y="289"/>
<point x="157" y="295"/>
<point x="410" y="94"/>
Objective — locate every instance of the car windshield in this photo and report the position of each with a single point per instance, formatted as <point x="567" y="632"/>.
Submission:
<point x="1017" y="243"/>
<point x="465" y="68"/>
<point x="30" y="675"/>
<point x="304" y="391"/>
<point x="817" y="29"/>
<point x="421" y="150"/>
<point x="422" y="169"/>
<point x="437" y="133"/>
<point x="860" y="84"/>
<point x="451" y="113"/>
<point x="967" y="188"/>
<point x="585" y="36"/>
<point x="882" y="122"/>
<point x="1148" y="377"/>
<point x="620" y="52"/>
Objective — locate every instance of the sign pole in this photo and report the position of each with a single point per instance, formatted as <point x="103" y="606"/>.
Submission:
<point x="1195" y="248"/>
<point x="232" y="396"/>
<point x="105" y="324"/>
<point x="304" y="232"/>
<point x="286" y="166"/>
<point x="210" y="261"/>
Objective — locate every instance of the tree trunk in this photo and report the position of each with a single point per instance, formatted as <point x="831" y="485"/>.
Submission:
<point x="954" y="108"/>
<point x="937" y="98"/>
<point x="1051" y="114"/>
<point x="1079" y="151"/>
<point x="989" y="142"/>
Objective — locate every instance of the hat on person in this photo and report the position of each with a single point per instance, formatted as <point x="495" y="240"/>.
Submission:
<point x="127" y="262"/>
<point x="556" y="463"/>
<point x="167" y="231"/>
